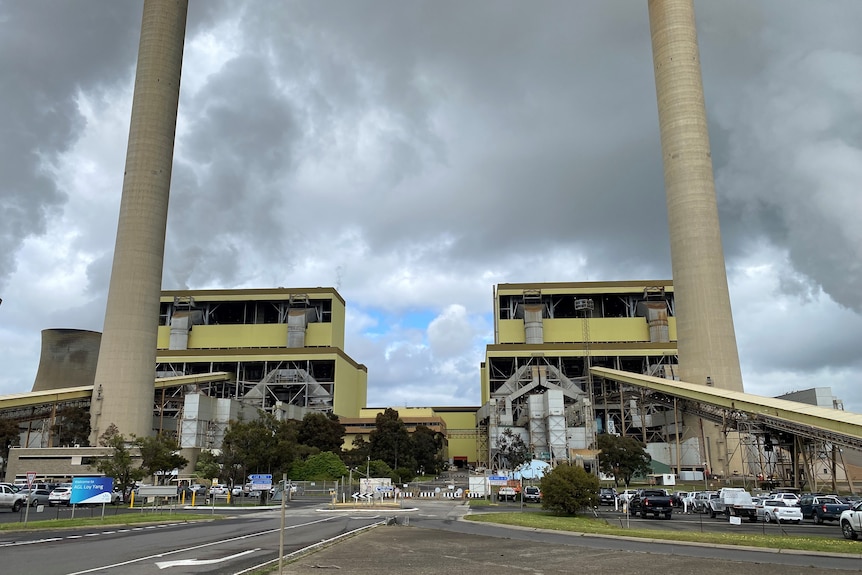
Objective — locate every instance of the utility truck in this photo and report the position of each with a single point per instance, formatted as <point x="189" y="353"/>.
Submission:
<point x="733" y="502"/>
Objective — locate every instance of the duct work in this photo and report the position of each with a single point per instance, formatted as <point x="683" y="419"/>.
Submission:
<point x="655" y="313"/>
<point x="297" y="322"/>
<point x="181" y="325"/>
<point x="533" y="328"/>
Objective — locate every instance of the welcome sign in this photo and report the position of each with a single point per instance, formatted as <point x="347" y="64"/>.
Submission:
<point x="91" y="490"/>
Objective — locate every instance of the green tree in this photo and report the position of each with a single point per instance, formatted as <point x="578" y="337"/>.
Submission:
<point x="119" y="465"/>
<point x="567" y="489"/>
<point x="105" y="440"/>
<point x="377" y="468"/>
<point x="512" y="452"/>
<point x="359" y="455"/>
<point x="10" y="436"/>
<point x="390" y="441"/>
<point x="159" y="456"/>
<point x="264" y="445"/>
<point x="72" y="426"/>
<point x="622" y="457"/>
<point x="428" y="450"/>
<point x="207" y="465"/>
<point x="322" y="431"/>
<point x="323" y="466"/>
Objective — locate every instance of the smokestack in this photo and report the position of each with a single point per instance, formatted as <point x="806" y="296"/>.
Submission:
<point x="127" y="358"/>
<point x="68" y="359"/>
<point x="706" y="339"/>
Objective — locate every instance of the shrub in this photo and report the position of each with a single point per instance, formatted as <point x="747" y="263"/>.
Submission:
<point x="567" y="489"/>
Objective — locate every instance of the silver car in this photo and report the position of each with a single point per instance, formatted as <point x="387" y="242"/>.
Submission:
<point x="37" y="496"/>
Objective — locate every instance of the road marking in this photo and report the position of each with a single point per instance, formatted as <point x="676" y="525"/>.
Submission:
<point x="18" y="543"/>
<point x="185" y="562"/>
<point x="186" y="550"/>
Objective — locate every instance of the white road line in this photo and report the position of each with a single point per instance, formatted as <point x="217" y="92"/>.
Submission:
<point x="18" y="543"/>
<point x="220" y="542"/>
<point x="184" y="562"/>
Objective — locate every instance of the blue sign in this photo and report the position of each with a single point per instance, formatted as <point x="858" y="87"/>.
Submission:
<point x="91" y="490"/>
<point x="263" y="478"/>
<point x="498" y="478"/>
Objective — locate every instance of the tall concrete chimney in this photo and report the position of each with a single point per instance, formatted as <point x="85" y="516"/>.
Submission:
<point x="127" y="357"/>
<point x="707" y="342"/>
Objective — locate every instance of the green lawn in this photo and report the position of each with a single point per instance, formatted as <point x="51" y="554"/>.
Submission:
<point x="581" y="524"/>
<point x="119" y="519"/>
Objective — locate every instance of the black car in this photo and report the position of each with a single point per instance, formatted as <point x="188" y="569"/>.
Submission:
<point x="607" y="496"/>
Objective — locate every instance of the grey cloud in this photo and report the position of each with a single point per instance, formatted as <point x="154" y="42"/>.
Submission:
<point x="80" y="45"/>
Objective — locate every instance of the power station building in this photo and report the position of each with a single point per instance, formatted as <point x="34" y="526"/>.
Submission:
<point x="536" y="382"/>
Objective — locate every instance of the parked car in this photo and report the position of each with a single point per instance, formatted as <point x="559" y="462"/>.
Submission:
<point x="36" y="496"/>
<point x="733" y="502"/>
<point x="532" y="494"/>
<point x="607" y="496"/>
<point x="10" y="499"/>
<point x="60" y="496"/>
<point x="653" y="502"/>
<point x="778" y="510"/>
<point x="851" y="522"/>
<point x="701" y="502"/>
<point x="219" y="490"/>
<point x="678" y="498"/>
<point x="688" y="501"/>
<point x="627" y="495"/>
<point x="822" y="508"/>
<point x="791" y="498"/>
<point x="507" y="494"/>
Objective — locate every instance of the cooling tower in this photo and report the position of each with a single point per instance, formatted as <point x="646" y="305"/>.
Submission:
<point x="127" y="356"/>
<point x="68" y="359"/>
<point x="706" y="339"/>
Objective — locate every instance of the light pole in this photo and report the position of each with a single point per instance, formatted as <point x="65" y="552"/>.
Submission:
<point x="705" y="484"/>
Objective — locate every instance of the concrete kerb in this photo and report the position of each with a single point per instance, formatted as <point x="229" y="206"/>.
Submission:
<point x="685" y="543"/>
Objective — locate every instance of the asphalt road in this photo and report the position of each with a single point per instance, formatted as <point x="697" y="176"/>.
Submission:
<point x="225" y="546"/>
<point x="428" y="539"/>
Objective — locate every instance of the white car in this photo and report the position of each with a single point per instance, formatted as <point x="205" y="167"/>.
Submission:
<point x="780" y="511"/>
<point x="60" y="496"/>
<point x="627" y="495"/>
<point x="790" y="498"/>
<point x="217" y="490"/>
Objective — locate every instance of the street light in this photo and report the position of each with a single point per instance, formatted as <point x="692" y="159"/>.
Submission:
<point x="705" y="485"/>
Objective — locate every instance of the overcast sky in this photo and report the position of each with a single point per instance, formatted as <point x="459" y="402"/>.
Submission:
<point x="415" y="154"/>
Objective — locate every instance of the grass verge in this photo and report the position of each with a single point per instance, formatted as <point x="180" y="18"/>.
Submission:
<point x="545" y="520"/>
<point x="121" y="519"/>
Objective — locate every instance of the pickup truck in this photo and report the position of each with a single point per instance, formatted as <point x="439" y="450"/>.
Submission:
<point x="532" y="494"/>
<point x="822" y="508"/>
<point x="507" y="494"/>
<point x="651" y="501"/>
<point x="11" y="499"/>
<point x="851" y="522"/>
<point x="733" y="502"/>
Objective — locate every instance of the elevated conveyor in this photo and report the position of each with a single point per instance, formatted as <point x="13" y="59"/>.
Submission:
<point x="43" y="399"/>
<point x="732" y="408"/>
